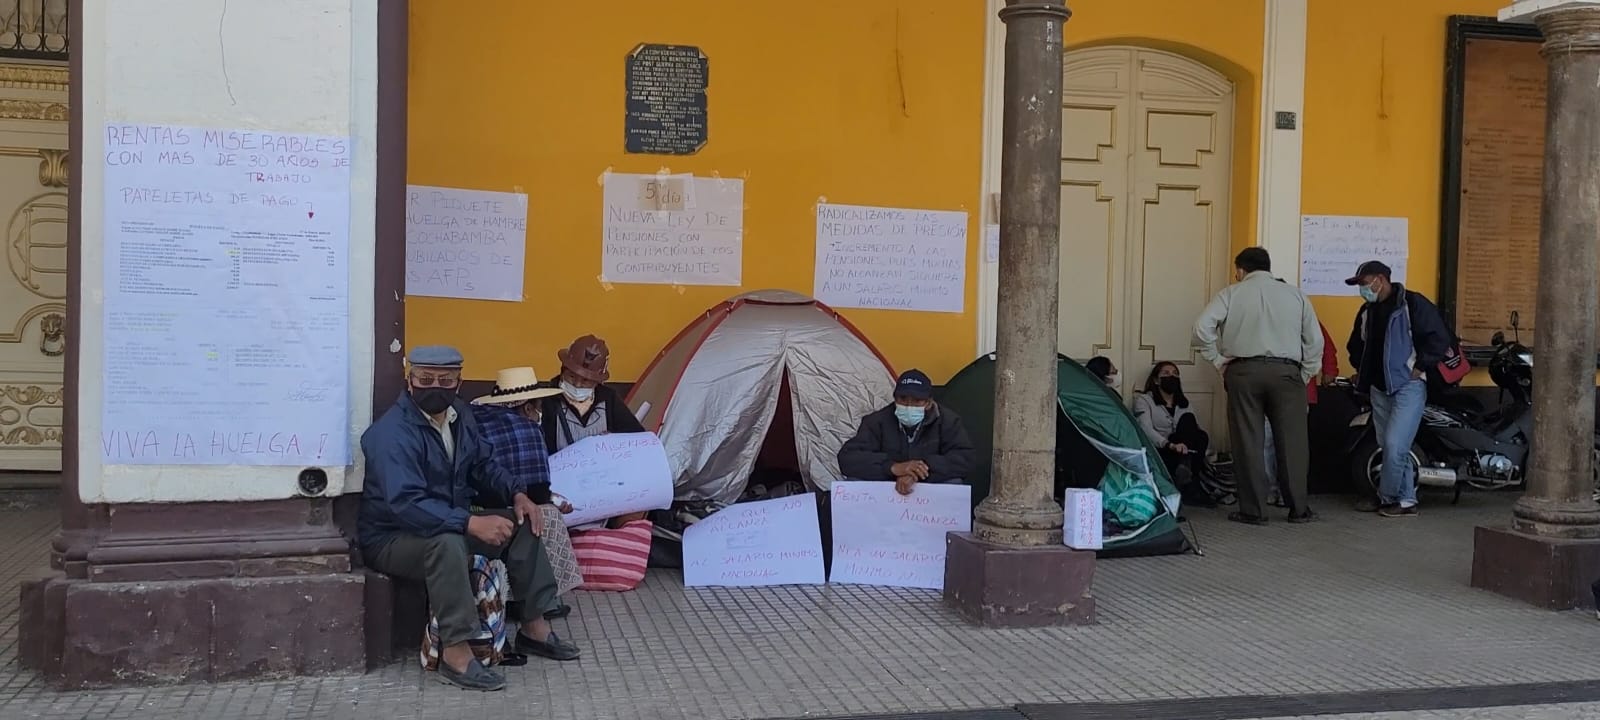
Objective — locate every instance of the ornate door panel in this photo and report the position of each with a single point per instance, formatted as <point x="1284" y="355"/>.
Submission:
<point x="1146" y="171"/>
<point x="33" y="288"/>
<point x="1178" y="236"/>
<point x="1094" y="206"/>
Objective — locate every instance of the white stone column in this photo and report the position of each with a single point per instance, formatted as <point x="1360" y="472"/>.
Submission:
<point x="1283" y="91"/>
<point x="288" y="67"/>
<point x="174" y="102"/>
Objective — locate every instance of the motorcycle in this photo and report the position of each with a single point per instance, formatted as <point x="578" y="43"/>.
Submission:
<point x="1459" y="444"/>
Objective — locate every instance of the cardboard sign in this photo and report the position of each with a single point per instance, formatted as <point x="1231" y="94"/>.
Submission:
<point x="881" y="537"/>
<point x="1081" y="528"/>
<point x="610" y="475"/>
<point x="771" y="542"/>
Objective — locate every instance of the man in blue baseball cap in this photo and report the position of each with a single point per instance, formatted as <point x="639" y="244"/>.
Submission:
<point x="427" y="465"/>
<point x="912" y="440"/>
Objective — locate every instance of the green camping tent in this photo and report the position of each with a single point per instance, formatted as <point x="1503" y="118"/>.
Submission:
<point x="1098" y="444"/>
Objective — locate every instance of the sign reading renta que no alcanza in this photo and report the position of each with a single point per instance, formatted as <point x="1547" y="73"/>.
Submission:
<point x="881" y="537"/>
<point x="226" y="305"/>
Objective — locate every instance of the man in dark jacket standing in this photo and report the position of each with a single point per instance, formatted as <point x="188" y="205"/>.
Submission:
<point x="913" y="440"/>
<point x="426" y="461"/>
<point x="1398" y="335"/>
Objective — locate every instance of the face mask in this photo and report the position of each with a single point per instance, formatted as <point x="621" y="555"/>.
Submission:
<point x="577" y="394"/>
<point x="529" y="410"/>
<point x="1114" y="380"/>
<point x="1170" y="385"/>
<point x="910" y="415"/>
<point x="1368" y="294"/>
<point x="433" y="400"/>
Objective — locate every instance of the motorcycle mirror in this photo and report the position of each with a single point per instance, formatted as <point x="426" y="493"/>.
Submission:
<point x="1515" y="318"/>
<point x="1498" y="339"/>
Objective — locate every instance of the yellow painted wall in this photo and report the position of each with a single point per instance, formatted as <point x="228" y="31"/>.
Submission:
<point x="872" y="102"/>
<point x="1374" y="125"/>
<point x="1227" y="35"/>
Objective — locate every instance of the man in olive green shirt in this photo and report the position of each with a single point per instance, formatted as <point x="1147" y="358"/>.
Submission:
<point x="1263" y="336"/>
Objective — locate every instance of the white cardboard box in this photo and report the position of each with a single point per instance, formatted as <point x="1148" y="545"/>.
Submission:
<point x="1081" y="528"/>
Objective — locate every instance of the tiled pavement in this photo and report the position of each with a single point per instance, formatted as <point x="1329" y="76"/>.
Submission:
<point x="1574" y="711"/>
<point x="1350" y="604"/>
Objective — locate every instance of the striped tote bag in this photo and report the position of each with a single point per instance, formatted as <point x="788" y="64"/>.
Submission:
<point x="613" y="559"/>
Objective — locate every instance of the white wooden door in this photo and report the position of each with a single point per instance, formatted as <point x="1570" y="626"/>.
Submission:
<point x="33" y="288"/>
<point x="1146" y="172"/>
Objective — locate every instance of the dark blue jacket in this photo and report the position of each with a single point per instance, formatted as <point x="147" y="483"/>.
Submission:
<point x="412" y="488"/>
<point x="1415" y="338"/>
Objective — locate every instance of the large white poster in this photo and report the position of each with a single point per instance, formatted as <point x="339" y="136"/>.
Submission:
<point x="881" y="537"/>
<point x="609" y="475"/>
<point x="891" y="259"/>
<point x="672" y="230"/>
<point x="226" y="297"/>
<point x="465" y="243"/>
<point x="1333" y="246"/>
<point x="768" y="542"/>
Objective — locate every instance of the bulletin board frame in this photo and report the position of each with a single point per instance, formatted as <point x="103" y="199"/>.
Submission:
<point x="1463" y="31"/>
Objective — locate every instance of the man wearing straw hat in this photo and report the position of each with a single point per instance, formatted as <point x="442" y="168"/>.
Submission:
<point x="426" y="459"/>
<point x="509" y="419"/>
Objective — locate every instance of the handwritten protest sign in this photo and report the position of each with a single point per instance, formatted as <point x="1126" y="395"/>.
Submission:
<point x="465" y="243"/>
<point x="1333" y="246"/>
<point x="1081" y="526"/>
<point x="610" y="475"/>
<point x="881" y="537"/>
<point x="771" y="542"/>
<point x="891" y="259"/>
<point x="225" y="294"/>
<point x="672" y="230"/>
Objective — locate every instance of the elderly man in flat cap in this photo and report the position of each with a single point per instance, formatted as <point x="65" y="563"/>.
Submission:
<point x="426" y="461"/>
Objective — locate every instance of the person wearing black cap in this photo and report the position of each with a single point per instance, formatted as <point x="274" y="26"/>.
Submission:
<point x="1398" y="335"/>
<point x="912" y="440"/>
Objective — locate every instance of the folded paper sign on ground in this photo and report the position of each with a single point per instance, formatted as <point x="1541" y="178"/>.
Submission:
<point x="1081" y="526"/>
<point x="881" y="537"/>
<point x="611" y="475"/>
<point x="771" y="542"/>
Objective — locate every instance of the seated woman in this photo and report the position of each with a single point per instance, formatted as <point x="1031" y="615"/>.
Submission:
<point x="1163" y="413"/>
<point x="1101" y="367"/>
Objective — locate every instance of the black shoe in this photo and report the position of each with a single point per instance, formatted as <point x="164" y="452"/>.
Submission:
<point x="1368" y="505"/>
<point x="476" y="677"/>
<point x="1240" y="517"/>
<point x="553" y="647"/>
<point x="1302" y="517"/>
<point x="1398" y="511"/>
<point x="558" y="613"/>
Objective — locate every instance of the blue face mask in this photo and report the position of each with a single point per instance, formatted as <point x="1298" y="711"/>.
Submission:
<point x="1368" y="294"/>
<point x="910" y="415"/>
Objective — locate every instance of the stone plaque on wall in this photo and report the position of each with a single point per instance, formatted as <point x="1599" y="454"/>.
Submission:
<point x="666" y="100"/>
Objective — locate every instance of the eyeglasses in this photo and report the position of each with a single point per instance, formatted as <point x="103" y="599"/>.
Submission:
<point x="443" y="381"/>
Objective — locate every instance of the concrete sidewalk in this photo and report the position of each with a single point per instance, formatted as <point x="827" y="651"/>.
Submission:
<point x="1354" y="603"/>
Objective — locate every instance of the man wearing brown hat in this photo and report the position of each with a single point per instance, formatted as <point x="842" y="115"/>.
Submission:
<point x="586" y="406"/>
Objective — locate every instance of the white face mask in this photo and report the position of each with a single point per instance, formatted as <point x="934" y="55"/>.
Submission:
<point x="577" y="394"/>
<point x="1114" y="380"/>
